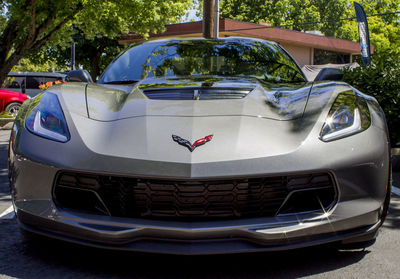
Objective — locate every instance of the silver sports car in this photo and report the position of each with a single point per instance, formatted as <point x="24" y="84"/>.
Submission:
<point x="195" y="146"/>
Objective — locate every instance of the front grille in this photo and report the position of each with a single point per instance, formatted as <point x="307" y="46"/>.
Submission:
<point x="196" y="93"/>
<point x="193" y="199"/>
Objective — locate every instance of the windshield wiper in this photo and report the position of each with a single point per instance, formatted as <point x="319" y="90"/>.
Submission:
<point x="127" y="81"/>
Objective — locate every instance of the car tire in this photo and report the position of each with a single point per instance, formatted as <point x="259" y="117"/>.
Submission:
<point x="12" y="108"/>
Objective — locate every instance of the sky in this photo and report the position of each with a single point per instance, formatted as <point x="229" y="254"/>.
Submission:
<point x="192" y="16"/>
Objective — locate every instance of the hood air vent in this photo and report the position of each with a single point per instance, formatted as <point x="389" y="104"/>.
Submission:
<point x="196" y="93"/>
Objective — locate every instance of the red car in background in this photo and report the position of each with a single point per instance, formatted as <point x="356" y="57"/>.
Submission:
<point x="10" y="101"/>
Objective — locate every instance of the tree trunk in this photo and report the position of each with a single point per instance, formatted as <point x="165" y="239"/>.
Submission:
<point x="95" y="64"/>
<point x="7" y="66"/>
<point x="6" y="44"/>
<point x="3" y="76"/>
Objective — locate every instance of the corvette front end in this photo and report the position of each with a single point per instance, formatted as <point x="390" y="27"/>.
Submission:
<point x="227" y="164"/>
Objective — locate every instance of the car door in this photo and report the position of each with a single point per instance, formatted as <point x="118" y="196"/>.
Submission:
<point x="15" y="83"/>
<point x="3" y="96"/>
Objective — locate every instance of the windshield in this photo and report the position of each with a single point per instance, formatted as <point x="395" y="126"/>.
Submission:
<point x="183" y="58"/>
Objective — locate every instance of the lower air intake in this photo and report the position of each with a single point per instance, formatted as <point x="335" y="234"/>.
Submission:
<point x="194" y="199"/>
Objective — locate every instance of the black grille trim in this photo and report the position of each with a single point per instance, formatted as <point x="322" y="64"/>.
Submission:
<point x="197" y="199"/>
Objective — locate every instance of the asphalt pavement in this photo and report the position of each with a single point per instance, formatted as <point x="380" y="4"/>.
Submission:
<point x="46" y="258"/>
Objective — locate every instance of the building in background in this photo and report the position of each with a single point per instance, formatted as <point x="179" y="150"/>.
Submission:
<point x="308" y="48"/>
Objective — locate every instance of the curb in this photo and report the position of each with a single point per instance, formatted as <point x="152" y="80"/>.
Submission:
<point x="6" y="123"/>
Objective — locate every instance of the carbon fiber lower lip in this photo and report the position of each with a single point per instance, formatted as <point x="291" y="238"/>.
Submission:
<point x="212" y="246"/>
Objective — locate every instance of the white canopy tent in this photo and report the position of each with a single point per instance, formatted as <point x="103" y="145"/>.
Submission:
<point x="311" y="71"/>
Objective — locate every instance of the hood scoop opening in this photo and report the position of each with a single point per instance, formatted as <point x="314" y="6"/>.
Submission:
<point x="196" y="93"/>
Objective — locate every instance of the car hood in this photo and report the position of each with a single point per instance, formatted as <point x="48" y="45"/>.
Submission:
<point x="260" y="99"/>
<point x="241" y="129"/>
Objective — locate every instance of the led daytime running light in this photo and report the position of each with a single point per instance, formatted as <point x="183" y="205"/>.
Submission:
<point x="46" y="118"/>
<point x="349" y="115"/>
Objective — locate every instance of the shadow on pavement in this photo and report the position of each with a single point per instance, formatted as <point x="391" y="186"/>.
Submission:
<point x="393" y="219"/>
<point x="49" y="258"/>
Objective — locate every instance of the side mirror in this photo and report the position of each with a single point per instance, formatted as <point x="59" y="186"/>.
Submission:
<point x="333" y="74"/>
<point x="79" y="76"/>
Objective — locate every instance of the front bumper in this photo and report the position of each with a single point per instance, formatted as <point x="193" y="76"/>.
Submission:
<point x="192" y="241"/>
<point x="350" y="220"/>
<point x="361" y="176"/>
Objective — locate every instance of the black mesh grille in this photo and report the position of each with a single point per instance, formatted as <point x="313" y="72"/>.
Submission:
<point x="197" y="199"/>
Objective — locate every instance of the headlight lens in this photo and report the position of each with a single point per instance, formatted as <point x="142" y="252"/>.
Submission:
<point x="46" y="118"/>
<point x="349" y="115"/>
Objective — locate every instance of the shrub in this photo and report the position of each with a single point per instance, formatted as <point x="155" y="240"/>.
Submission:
<point x="4" y="114"/>
<point x="381" y="80"/>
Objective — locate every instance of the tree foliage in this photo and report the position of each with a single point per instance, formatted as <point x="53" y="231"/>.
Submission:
<point x="28" y="64"/>
<point x="382" y="80"/>
<point x="385" y="31"/>
<point x="93" y="54"/>
<point x="26" y="26"/>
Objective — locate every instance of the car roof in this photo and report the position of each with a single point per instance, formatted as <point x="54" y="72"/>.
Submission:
<point x="227" y="39"/>
<point x="36" y="74"/>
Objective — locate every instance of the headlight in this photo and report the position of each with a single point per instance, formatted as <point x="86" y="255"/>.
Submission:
<point x="46" y="118"/>
<point x="349" y="115"/>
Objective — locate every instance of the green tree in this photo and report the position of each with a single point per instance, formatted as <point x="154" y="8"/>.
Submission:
<point x="381" y="79"/>
<point x="26" y="26"/>
<point x="28" y="64"/>
<point x="93" y="54"/>
<point x="385" y="31"/>
<point x="276" y="12"/>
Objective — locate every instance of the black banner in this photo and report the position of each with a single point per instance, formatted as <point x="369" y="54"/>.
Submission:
<point x="363" y="34"/>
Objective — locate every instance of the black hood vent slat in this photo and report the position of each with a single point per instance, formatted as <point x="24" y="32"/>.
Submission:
<point x="196" y="93"/>
<point x="170" y="94"/>
<point x="211" y="94"/>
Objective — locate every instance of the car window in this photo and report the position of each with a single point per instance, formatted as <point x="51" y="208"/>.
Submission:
<point x="52" y="79"/>
<point x="33" y="82"/>
<point x="14" y="82"/>
<point x="128" y="65"/>
<point x="177" y="58"/>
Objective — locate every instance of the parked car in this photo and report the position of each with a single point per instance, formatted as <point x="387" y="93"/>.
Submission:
<point x="196" y="146"/>
<point x="10" y="101"/>
<point x="29" y="82"/>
